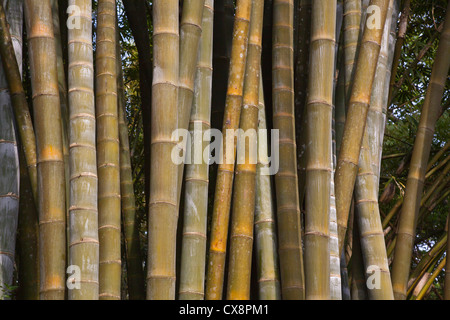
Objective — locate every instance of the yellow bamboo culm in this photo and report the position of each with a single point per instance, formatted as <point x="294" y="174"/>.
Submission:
<point x="241" y="234"/>
<point x="50" y="161"/>
<point x="225" y="174"/>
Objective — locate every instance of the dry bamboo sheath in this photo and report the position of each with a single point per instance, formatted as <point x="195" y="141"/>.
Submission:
<point x="225" y="175"/>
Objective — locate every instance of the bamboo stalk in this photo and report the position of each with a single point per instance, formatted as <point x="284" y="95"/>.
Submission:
<point x="108" y="155"/>
<point x="50" y="160"/>
<point x="28" y="238"/>
<point x="421" y="152"/>
<point x="369" y="222"/>
<point x="358" y="283"/>
<point x="286" y="182"/>
<point x="225" y="174"/>
<point x="430" y="281"/>
<point x="352" y="38"/>
<point x="9" y="166"/>
<point x="163" y="207"/>
<point x="83" y="204"/>
<point x="62" y="87"/>
<point x="265" y="229"/>
<point x="301" y="78"/>
<point x="190" y="33"/>
<point x="12" y="68"/>
<point x="319" y="161"/>
<point x="425" y="262"/>
<point x="357" y="114"/>
<point x="193" y="256"/>
<point x="402" y="27"/>
<point x="376" y="117"/>
<point x="242" y="220"/>
<point x="437" y="156"/>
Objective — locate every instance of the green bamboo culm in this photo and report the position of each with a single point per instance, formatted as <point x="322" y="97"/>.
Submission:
<point x="319" y="150"/>
<point x="163" y="207"/>
<point x="225" y="174"/>
<point x="242" y="220"/>
<point x="109" y="226"/>
<point x="358" y="106"/>
<point x="193" y="255"/>
<point x="50" y="160"/>
<point x="135" y="272"/>
<point x="83" y="204"/>
<point x="286" y="181"/>
<point x="190" y="33"/>
<point x="265" y="229"/>
<point x="419" y="161"/>
<point x="9" y="164"/>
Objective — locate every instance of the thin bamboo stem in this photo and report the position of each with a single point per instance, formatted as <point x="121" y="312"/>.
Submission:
<point x="242" y="220"/>
<point x="135" y="272"/>
<point x="421" y="152"/>
<point x="265" y="229"/>
<point x="430" y="281"/>
<point x="225" y="174"/>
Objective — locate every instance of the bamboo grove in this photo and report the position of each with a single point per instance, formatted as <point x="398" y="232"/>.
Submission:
<point x="224" y="150"/>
